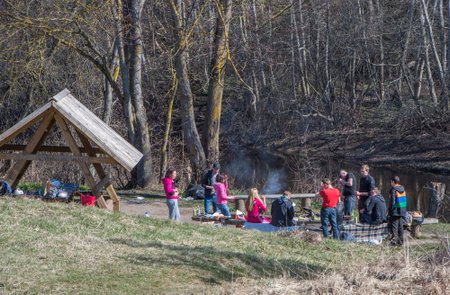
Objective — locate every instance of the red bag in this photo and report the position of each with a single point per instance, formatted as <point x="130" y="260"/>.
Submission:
<point x="87" y="200"/>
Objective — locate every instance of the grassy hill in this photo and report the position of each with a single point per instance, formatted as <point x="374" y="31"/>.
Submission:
<point x="56" y="248"/>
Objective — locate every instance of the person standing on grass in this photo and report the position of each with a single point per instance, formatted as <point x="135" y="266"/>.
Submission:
<point x="282" y="211"/>
<point x="328" y="213"/>
<point x="171" y="194"/>
<point x="220" y="189"/>
<point x="208" y="181"/>
<point x="366" y="184"/>
<point x="397" y="211"/>
<point x="254" y="205"/>
<point x="348" y="182"/>
<point x="375" y="214"/>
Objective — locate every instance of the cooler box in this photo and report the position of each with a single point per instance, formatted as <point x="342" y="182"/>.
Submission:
<point x="87" y="200"/>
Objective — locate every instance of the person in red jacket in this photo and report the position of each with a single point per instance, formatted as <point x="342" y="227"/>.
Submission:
<point x="171" y="194"/>
<point x="328" y="213"/>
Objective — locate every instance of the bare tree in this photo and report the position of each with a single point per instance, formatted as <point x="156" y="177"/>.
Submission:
<point x="217" y="79"/>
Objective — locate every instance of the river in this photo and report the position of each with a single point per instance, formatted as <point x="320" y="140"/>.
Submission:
<point x="273" y="173"/>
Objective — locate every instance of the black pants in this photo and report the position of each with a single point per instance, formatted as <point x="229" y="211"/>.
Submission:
<point x="396" y="226"/>
<point x="363" y="202"/>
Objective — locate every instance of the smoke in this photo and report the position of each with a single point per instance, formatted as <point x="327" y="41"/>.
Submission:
<point x="241" y="167"/>
<point x="256" y="169"/>
<point x="274" y="183"/>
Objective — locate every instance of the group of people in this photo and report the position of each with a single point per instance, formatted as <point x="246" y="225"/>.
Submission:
<point x="216" y="198"/>
<point x="216" y="195"/>
<point x="370" y="204"/>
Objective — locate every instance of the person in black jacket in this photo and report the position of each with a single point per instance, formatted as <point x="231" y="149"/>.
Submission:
<point x="348" y="182"/>
<point x="208" y="181"/>
<point x="282" y="211"/>
<point x="375" y="213"/>
<point x="397" y="211"/>
<point x="366" y="184"/>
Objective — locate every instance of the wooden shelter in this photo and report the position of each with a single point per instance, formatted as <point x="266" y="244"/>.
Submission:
<point x="99" y="144"/>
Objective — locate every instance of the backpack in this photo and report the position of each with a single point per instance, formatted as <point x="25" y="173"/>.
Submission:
<point x="400" y="200"/>
<point x="5" y="188"/>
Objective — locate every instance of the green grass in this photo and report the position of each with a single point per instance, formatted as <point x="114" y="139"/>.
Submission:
<point x="53" y="248"/>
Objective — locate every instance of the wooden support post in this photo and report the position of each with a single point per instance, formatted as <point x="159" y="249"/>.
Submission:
<point x="105" y="180"/>
<point x="306" y="202"/>
<point x="240" y="205"/>
<point x="100" y="171"/>
<point x="112" y="194"/>
<point x="437" y="196"/>
<point x="76" y="151"/>
<point x="16" y="172"/>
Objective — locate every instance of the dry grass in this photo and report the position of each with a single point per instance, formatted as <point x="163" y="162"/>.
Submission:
<point x="51" y="248"/>
<point x="391" y="275"/>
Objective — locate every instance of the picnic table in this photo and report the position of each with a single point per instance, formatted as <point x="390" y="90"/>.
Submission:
<point x="306" y="199"/>
<point x="222" y="219"/>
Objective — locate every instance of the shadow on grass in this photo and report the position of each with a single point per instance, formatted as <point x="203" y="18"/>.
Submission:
<point x="220" y="264"/>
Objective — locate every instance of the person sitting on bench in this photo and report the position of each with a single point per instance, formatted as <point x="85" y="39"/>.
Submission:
<point x="375" y="213"/>
<point x="254" y="206"/>
<point x="282" y="211"/>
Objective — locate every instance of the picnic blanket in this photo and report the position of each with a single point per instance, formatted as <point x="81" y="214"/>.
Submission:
<point x="267" y="227"/>
<point x="366" y="233"/>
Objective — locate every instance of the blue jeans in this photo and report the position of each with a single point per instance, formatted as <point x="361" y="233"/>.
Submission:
<point x="208" y="201"/>
<point x="224" y="209"/>
<point x="174" y="212"/>
<point x="349" y="204"/>
<point x="329" y="214"/>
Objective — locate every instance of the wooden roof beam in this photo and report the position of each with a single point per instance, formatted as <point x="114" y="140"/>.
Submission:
<point x="47" y="148"/>
<point x="57" y="158"/>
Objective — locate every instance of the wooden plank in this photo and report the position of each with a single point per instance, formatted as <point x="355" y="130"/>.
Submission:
<point x="52" y="157"/>
<point x="105" y="180"/>
<point x="101" y="201"/>
<point x="100" y="171"/>
<point x="293" y="196"/>
<point x="47" y="148"/>
<point x="61" y="95"/>
<point x="98" y="132"/>
<point x="76" y="151"/>
<point x="25" y="123"/>
<point x="114" y="197"/>
<point x="16" y="172"/>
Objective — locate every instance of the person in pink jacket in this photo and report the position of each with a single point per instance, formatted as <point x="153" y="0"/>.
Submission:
<point x="220" y="188"/>
<point x="254" y="205"/>
<point x="171" y="194"/>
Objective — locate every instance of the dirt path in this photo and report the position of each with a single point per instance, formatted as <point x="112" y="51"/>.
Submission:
<point x="156" y="208"/>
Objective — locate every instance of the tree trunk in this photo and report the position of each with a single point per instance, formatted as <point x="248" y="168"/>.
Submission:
<point x="190" y="133"/>
<point x="173" y="92"/>
<point x="216" y="83"/>
<point x="126" y="103"/>
<point x="108" y="93"/>
<point x="441" y="74"/>
<point x="426" y="46"/>
<point x="135" y="50"/>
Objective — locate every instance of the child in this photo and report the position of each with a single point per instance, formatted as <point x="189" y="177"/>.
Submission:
<point x="220" y="187"/>
<point x="171" y="194"/>
<point x="254" y="204"/>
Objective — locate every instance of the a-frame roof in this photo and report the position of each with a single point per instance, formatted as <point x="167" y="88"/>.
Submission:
<point x="76" y="114"/>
